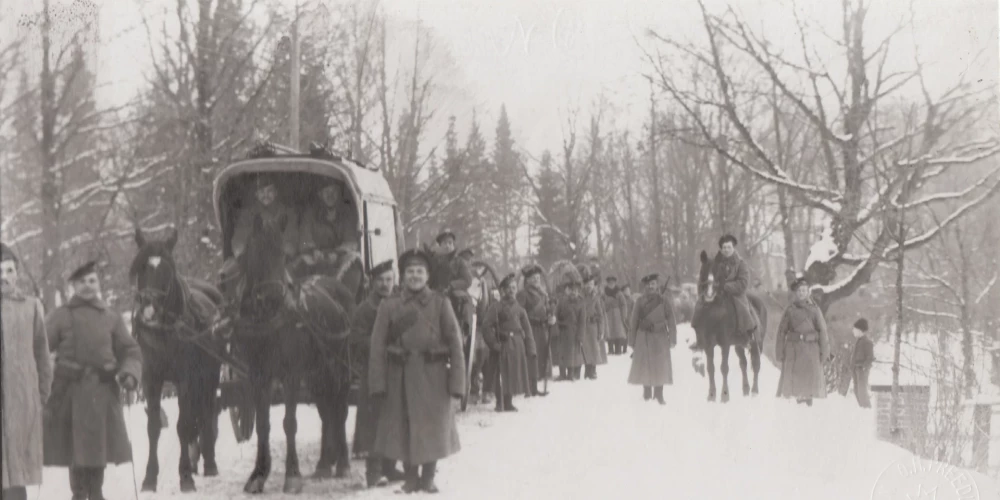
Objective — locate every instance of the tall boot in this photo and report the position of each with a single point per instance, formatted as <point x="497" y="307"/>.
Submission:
<point x="95" y="484"/>
<point x="373" y="472"/>
<point x="427" y="477"/>
<point x="390" y="472"/>
<point x="658" y="394"/>
<point x="78" y="483"/>
<point x="412" y="480"/>
<point x="508" y="403"/>
<point x="647" y="392"/>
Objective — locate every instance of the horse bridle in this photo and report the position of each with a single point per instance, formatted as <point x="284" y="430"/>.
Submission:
<point x="153" y="297"/>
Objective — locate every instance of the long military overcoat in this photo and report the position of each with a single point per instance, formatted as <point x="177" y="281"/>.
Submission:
<point x="536" y="304"/>
<point x="366" y="418"/>
<point x="507" y="332"/>
<point x="27" y="378"/>
<point x="566" y="349"/>
<point x="652" y="331"/>
<point x="85" y="426"/>
<point x="732" y="275"/>
<point x="616" y="310"/>
<point x="802" y="345"/>
<point x="595" y="329"/>
<point x="417" y="366"/>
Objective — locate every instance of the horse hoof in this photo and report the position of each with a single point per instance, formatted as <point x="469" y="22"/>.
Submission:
<point x="211" y="470"/>
<point x="746" y="392"/>
<point x="323" y="473"/>
<point x="149" y="486"/>
<point x="754" y="392"/>
<point x="187" y="485"/>
<point x="711" y="398"/>
<point x="343" y="472"/>
<point x="725" y="397"/>
<point x="293" y="485"/>
<point x="255" y="485"/>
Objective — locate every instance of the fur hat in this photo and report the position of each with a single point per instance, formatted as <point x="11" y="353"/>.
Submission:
<point x="564" y="274"/>
<point x="650" y="277"/>
<point x="799" y="283"/>
<point x="414" y="257"/>
<point x="443" y="235"/>
<point x="727" y="238"/>
<point x="861" y="324"/>
<point x="531" y="270"/>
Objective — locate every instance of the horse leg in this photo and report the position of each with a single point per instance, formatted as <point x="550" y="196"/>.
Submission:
<point x="187" y="432"/>
<point x="209" y="417"/>
<point x="725" y="373"/>
<point x="340" y="410"/>
<point x="293" y="477"/>
<point x="260" y="389"/>
<point x="742" y="354"/>
<point x="153" y="387"/>
<point x="324" y="467"/>
<point x="710" y="366"/>
<point x="755" y="363"/>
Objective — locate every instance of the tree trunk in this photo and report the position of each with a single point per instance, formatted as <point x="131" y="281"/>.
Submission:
<point x="49" y="192"/>
<point x="656" y="194"/>
<point x="900" y="317"/>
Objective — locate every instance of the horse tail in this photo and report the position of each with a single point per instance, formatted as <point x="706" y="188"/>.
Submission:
<point x="761" y="309"/>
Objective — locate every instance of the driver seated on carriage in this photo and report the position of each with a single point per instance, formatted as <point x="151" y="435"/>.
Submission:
<point x="329" y="226"/>
<point x="266" y="204"/>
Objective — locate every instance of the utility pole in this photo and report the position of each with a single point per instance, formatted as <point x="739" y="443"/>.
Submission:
<point x="293" y="119"/>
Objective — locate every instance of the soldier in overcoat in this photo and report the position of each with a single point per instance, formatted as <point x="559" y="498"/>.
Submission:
<point x="802" y="346"/>
<point x="507" y="332"/>
<point x="652" y="332"/>
<point x="27" y="379"/>
<point x="95" y="354"/>
<point x="418" y="369"/>
<point x="594" y="326"/>
<point x="570" y="319"/>
<point x="378" y="471"/>
<point x="535" y="300"/>
<point x="616" y="311"/>
<point x="732" y="275"/>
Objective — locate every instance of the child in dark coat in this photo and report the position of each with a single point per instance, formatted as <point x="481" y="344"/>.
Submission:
<point x="861" y="362"/>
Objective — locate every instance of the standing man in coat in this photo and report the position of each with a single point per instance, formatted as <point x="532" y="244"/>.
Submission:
<point x="534" y="298"/>
<point x="593" y="327"/>
<point x="652" y="332"/>
<point x="732" y="274"/>
<point x="378" y="471"/>
<point x="95" y="354"/>
<point x="802" y="346"/>
<point x="569" y="318"/>
<point x="417" y="368"/>
<point x="27" y="378"/>
<point x="507" y="332"/>
<point x="616" y="310"/>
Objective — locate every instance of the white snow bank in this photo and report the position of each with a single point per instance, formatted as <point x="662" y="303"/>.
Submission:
<point x="591" y="440"/>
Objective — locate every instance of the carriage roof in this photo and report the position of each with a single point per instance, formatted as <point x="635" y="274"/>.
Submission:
<point x="364" y="184"/>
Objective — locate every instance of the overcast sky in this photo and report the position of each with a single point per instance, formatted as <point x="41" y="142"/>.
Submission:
<point x="544" y="57"/>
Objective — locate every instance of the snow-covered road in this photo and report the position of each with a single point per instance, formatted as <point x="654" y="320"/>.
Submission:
<point x="588" y="439"/>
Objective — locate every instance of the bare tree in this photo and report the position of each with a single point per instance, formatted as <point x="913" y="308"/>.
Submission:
<point x="871" y="160"/>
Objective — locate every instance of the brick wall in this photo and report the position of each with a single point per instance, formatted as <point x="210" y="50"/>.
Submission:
<point x="912" y="412"/>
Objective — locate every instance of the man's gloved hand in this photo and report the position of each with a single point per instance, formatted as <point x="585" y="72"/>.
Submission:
<point x="127" y="382"/>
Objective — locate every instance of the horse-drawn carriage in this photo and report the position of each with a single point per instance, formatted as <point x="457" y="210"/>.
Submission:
<point x="298" y="179"/>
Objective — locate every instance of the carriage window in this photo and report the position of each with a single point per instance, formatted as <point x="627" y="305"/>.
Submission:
<point x="381" y="232"/>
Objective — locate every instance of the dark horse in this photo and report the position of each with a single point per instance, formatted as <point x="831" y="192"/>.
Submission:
<point x="294" y="331"/>
<point x="715" y="325"/>
<point x="171" y="321"/>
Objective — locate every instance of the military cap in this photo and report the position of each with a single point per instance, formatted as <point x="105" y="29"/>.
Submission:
<point x="507" y="280"/>
<point x="7" y="254"/>
<point x="414" y="257"/>
<point x="728" y="238"/>
<point x="799" y="283"/>
<point x="445" y="235"/>
<point x="611" y="279"/>
<point x="861" y="324"/>
<point x="650" y="277"/>
<point x="381" y="269"/>
<point x="531" y="270"/>
<point x="83" y="271"/>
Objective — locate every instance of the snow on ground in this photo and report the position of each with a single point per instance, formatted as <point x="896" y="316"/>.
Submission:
<point x="587" y="440"/>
